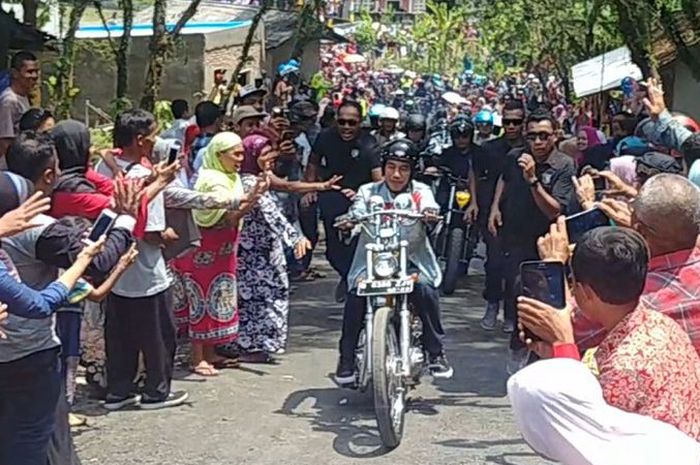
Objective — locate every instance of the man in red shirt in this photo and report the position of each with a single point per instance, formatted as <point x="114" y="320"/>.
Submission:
<point x="665" y="213"/>
<point x="646" y="362"/>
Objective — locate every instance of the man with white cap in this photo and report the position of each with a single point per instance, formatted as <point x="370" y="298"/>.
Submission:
<point x="388" y="126"/>
<point x="560" y="411"/>
<point x="253" y="96"/>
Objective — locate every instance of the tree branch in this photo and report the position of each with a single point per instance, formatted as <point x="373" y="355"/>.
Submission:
<point x="186" y="16"/>
<point x="112" y="45"/>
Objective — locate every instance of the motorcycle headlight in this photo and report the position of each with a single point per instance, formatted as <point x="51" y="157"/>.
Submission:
<point x="385" y="265"/>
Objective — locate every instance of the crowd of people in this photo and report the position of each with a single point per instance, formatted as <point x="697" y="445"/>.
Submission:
<point x="213" y="216"/>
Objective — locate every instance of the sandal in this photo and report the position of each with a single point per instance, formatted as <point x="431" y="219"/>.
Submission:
<point x="224" y="363"/>
<point x="257" y="357"/>
<point x="205" y="369"/>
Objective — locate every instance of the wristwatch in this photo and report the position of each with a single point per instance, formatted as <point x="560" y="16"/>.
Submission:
<point x="535" y="183"/>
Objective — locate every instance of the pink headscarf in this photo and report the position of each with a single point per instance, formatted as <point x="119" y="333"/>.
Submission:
<point x="593" y="136"/>
<point x="253" y="145"/>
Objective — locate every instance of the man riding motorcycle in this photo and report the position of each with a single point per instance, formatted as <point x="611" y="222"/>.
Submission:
<point x="484" y="122"/>
<point x="459" y="159"/>
<point x="416" y="127"/>
<point x="399" y="159"/>
<point x="388" y="126"/>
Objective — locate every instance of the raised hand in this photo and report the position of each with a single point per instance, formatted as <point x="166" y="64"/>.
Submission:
<point x="20" y="219"/>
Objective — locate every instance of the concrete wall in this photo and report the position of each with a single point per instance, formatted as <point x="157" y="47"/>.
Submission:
<point x="223" y="49"/>
<point x="95" y="73"/>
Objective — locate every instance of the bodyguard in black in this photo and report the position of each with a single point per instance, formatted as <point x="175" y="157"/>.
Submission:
<point x="534" y="189"/>
<point x="346" y="151"/>
<point x="488" y="167"/>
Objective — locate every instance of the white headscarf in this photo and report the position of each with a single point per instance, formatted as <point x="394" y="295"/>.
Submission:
<point x="561" y="413"/>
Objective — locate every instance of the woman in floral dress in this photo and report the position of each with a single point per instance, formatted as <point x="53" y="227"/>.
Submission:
<point x="209" y="275"/>
<point x="263" y="284"/>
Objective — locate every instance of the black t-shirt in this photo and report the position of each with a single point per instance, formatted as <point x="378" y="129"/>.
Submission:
<point x="488" y="167"/>
<point x="354" y="160"/>
<point x="523" y="221"/>
<point x="459" y="163"/>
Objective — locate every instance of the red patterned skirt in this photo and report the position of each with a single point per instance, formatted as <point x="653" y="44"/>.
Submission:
<point x="206" y="291"/>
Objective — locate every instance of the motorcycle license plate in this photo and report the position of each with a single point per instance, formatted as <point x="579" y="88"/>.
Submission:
<point x="385" y="287"/>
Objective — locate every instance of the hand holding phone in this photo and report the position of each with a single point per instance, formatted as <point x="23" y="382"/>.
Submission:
<point x="102" y="226"/>
<point x="579" y="224"/>
<point x="543" y="281"/>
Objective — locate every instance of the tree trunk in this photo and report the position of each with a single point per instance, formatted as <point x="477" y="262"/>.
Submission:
<point x="635" y="26"/>
<point x="122" y="56"/>
<point x="30" y="7"/>
<point x="160" y="45"/>
<point x="247" y="44"/>
<point x="65" y="63"/>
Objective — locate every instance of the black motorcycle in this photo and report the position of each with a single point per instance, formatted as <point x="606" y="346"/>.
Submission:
<point x="454" y="240"/>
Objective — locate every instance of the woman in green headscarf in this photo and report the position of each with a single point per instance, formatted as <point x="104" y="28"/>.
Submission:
<point x="209" y="273"/>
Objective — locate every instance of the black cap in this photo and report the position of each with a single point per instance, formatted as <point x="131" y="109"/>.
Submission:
<point x="659" y="162"/>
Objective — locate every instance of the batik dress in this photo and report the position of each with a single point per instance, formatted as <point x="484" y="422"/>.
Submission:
<point x="263" y="284"/>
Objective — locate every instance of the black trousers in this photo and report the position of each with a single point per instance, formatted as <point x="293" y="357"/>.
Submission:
<point x="140" y="325"/>
<point x="513" y="256"/>
<point x="61" y="447"/>
<point x="332" y="204"/>
<point x="30" y="390"/>
<point x="494" y="284"/>
<point x="308" y="218"/>
<point x="424" y="298"/>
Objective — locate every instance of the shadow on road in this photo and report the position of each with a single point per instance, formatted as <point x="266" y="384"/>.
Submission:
<point x="349" y="415"/>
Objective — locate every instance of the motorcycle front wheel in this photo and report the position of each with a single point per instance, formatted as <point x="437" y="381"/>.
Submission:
<point x="389" y="390"/>
<point x="453" y="256"/>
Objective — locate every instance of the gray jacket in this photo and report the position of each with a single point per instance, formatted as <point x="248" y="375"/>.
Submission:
<point x="420" y="252"/>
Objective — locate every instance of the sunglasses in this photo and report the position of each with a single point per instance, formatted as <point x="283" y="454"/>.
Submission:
<point x="351" y="123"/>
<point x="512" y="122"/>
<point x="533" y="136"/>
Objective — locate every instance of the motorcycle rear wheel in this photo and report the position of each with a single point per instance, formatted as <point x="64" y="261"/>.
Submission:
<point x="387" y="382"/>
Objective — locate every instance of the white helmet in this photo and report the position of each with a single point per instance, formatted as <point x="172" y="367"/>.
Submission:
<point x="389" y="113"/>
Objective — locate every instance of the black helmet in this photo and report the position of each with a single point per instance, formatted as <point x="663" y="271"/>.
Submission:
<point x="415" y="122"/>
<point x="400" y="150"/>
<point x="460" y="126"/>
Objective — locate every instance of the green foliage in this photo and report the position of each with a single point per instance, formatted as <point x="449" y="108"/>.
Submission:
<point x="101" y="138"/>
<point x="436" y="42"/>
<point x="163" y="113"/>
<point x="365" y="35"/>
<point x="118" y="105"/>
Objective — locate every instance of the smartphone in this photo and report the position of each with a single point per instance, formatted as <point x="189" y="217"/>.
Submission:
<point x="172" y="156"/>
<point x="287" y="135"/>
<point x="577" y="225"/>
<point x="543" y="281"/>
<point x="102" y="226"/>
<point x="600" y="183"/>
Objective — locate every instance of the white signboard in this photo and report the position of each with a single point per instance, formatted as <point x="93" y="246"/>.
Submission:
<point x="604" y="72"/>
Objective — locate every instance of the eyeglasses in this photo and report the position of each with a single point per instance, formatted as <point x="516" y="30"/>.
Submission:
<point x="533" y="136"/>
<point x="512" y="122"/>
<point x="351" y="123"/>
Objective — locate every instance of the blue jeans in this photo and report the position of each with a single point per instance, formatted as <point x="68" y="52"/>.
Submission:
<point x="29" y="392"/>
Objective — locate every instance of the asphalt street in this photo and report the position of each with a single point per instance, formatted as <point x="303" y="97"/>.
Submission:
<point x="292" y="413"/>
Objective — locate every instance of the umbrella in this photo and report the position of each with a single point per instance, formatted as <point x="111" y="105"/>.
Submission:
<point x="354" y="58"/>
<point x="453" y="98"/>
<point x="393" y="69"/>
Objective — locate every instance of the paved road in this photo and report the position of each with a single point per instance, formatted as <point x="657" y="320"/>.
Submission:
<point x="292" y="413"/>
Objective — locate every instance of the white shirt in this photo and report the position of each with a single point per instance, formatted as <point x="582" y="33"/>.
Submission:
<point x="148" y="276"/>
